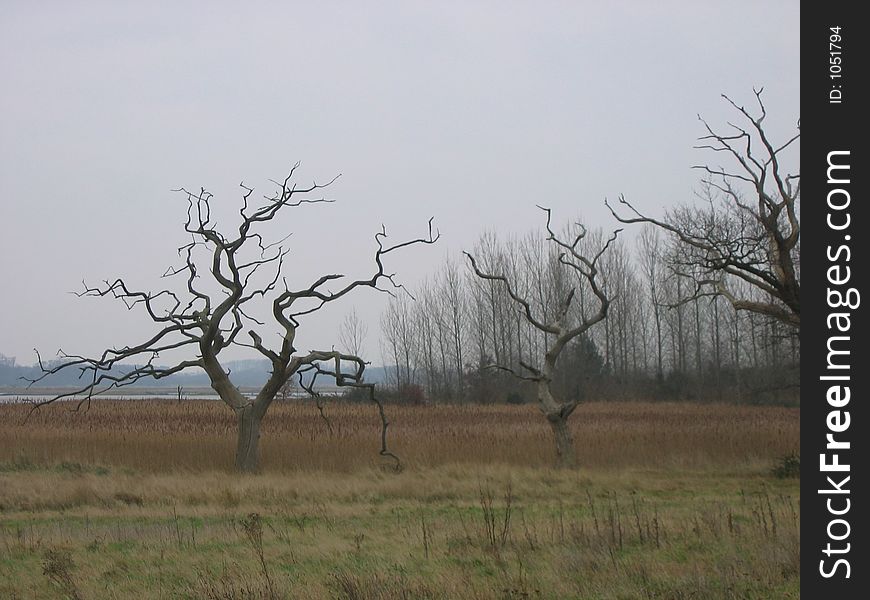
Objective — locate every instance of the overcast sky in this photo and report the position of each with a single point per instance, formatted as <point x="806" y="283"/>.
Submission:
<point x="471" y="112"/>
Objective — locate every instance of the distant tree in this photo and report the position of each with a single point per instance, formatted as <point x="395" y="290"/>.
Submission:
<point x="353" y="333"/>
<point x="206" y="319"/>
<point x="559" y="324"/>
<point x="399" y="342"/>
<point x="649" y="254"/>
<point x="580" y="367"/>
<point x="749" y="226"/>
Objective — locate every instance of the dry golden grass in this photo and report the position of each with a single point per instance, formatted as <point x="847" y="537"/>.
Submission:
<point x="160" y="436"/>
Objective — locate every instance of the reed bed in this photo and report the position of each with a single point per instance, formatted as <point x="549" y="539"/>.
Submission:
<point x="199" y="435"/>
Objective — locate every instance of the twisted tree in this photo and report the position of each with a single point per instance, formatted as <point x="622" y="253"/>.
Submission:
<point x="749" y="227"/>
<point x="206" y="318"/>
<point x="559" y="323"/>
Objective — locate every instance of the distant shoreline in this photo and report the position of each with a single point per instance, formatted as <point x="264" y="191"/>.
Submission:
<point x="11" y="394"/>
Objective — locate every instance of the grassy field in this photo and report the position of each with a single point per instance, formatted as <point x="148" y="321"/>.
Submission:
<point x="136" y="500"/>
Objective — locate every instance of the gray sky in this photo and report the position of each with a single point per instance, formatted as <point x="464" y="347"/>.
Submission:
<point x="471" y="112"/>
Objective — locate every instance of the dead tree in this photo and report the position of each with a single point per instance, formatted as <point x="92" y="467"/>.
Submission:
<point x="205" y="319"/>
<point x="559" y="324"/>
<point x="750" y="226"/>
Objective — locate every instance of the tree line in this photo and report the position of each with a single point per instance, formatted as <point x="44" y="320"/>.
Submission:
<point x="657" y="342"/>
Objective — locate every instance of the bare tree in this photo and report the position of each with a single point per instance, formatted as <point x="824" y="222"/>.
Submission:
<point x="440" y="332"/>
<point x="650" y="261"/>
<point x="353" y="333"/>
<point x="559" y="324"/>
<point x="750" y="226"/>
<point x="207" y="320"/>
<point x="453" y="302"/>
<point x="399" y="342"/>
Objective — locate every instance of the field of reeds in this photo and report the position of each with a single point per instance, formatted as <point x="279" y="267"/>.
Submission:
<point x="137" y="499"/>
<point x="166" y="435"/>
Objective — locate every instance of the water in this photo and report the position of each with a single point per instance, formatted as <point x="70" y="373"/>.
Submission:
<point x="31" y="398"/>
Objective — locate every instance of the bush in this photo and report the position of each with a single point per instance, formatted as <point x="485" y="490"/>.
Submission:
<point x="405" y="394"/>
<point x="360" y="394"/>
<point x="515" y="398"/>
<point x="411" y="393"/>
<point x="788" y="466"/>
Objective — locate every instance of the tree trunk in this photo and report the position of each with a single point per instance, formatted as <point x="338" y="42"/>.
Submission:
<point x="565" y="455"/>
<point x="248" y="414"/>
<point x="556" y="417"/>
<point x="247" y="457"/>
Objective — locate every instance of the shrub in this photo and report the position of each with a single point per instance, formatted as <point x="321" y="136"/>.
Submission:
<point x="515" y="398"/>
<point x="412" y="393"/>
<point x="788" y="466"/>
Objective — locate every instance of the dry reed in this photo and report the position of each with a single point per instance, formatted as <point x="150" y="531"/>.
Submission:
<point x="160" y="436"/>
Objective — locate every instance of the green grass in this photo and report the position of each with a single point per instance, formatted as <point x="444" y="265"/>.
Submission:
<point x="446" y="532"/>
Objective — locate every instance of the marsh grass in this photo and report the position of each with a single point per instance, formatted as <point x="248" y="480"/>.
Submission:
<point x="164" y="435"/>
<point x="477" y="514"/>
<point x="446" y="532"/>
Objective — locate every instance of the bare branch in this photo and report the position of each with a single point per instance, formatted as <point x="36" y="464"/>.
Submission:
<point x="755" y="242"/>
<point x="314" y="362"/>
